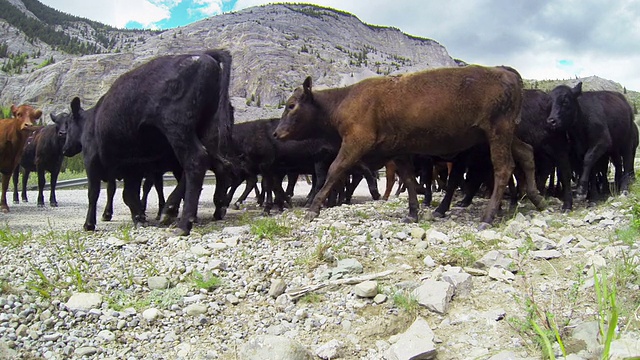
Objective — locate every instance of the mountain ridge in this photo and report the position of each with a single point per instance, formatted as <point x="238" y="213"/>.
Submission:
<point x="274" y="47"/>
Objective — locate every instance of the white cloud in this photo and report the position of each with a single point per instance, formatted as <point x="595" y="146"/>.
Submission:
<point x="115" y="12"/>
<point x="599" y="36"/>
<point x="209" y="7"/>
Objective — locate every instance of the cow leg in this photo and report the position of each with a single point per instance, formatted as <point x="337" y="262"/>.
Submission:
<point x="93" y="192"/>
<point x="471" y="187"/>
<point x="292" y="178"/>
<point x="390" y="172"/>
<point x="590" y="159"/>
<point x="372" y="182"/>
<point x="523" y="154"/>
<point x="251" y="182"/>
<point x="564" y="175"/>
<point x="16" y="175"/>
<point x="147" y="184"/>
<point x="108" y="208"/>
<point x="53" y="202"/>
<point x="457" y="173"/>
<point x="408" y="177"/>
<point x="158" y="184"/>
<point x="220" y="198"/>
<point x="131" y="197"/>
<point x="25" y="181"/>
<point x="6" y="178"/>
<point x="172" y="205"/>
<point x="280" y="195"/>
<point x="348" y="155"/>
<point x="500" y="144"/>
<point x="41" y="182"/>
<point x="267" y="189"/>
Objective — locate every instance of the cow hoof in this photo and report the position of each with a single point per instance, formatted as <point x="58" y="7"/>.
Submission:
<point x="483" y="226"/>
<point x="566" y="211"/>
<point x="53" y="204"/>
<point x="220" y="213"/>
<point x="463" y="204"/>
<point x="236" y="206"/>
<point x="375" y="196"/>
<point x="311" y="215"/>
<point x="40" y="205"/>
<point x="438" y="214"/>
<point x="16" y="201"/>
<point x="410" y="219"/>
<point x="89" y="227"/>
<point x="5" y="210"/>
<point x="107" y="217"/>
<point x="181" y="232"/>
<point x="166" y="219"/>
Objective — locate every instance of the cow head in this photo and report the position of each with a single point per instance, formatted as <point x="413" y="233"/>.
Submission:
<point x="300" y="112"/>
<point x="26" y="116"/>
<point x="564" y="106"/>
<point x="61" y="121"/>
<point x="71" y="126"/>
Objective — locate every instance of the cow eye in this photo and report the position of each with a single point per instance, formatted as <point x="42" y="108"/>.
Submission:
<point x="291" y="106"/>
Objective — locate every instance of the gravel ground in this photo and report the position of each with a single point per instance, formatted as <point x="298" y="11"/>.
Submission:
<point x="136" y="293"/>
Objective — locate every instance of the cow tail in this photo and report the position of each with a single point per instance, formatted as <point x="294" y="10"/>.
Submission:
<point x="224" y="113"/>
<point x="515" y="91"/>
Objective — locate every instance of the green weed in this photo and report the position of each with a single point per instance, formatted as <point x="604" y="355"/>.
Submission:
<point x="607" y="311"/>
<point x="460" y="256"/>
<point x="207" y="281"/>
<point x="311" y="298"/>
<point x="12" y="239"/>
<point x="406" y="301"/>
<point x="269" y="228"/>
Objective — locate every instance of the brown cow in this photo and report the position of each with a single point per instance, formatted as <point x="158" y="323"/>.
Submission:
<point x="13" y="135"/>
<point x="436" y="112"/>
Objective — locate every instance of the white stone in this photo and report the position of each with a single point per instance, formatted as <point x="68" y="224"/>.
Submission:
<point x="84" y="301"/>
<point x="151" y="314"/>
<point x="434" y="295"/>
<point x="415" y="343"/>
<point x="498" y="273"/>
<point x="366" y="289"/>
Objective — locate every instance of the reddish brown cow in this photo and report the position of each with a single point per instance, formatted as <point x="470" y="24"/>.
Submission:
<point x="435" y="112"/>
<point x="13" y="135"/>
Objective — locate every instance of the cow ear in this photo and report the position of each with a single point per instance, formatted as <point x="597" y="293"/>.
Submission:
<point x="577" y="90"/>
<point x="38" y="114"/>
<point x="13" y="110"/>
<point x="53" y="118"/>
<point x="75" y="106"/>
<point x="306" y="89"/>
<point x="306" y="86"/>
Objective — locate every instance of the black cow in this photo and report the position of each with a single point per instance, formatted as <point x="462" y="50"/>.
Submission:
<point x="150" y="121"/>
<point x="600" y="124"/>
<point x="550" y="145"/>
<point x="42" y="153"/>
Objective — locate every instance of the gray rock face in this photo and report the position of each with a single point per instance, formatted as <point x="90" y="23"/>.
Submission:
<point x="274" y="48"/>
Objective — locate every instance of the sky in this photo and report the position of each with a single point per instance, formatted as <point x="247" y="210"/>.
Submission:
<point x="542" y="39"/>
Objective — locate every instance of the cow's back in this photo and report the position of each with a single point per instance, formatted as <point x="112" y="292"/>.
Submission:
<point x="135" y="115"/>
<point x="448" y="106"/>
<point x="606" y="110"/>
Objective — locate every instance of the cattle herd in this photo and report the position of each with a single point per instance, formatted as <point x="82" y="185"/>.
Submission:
<point x="173" y="114"/>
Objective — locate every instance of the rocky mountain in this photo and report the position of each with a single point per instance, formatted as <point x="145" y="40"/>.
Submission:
<point x="274" y="47"/>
